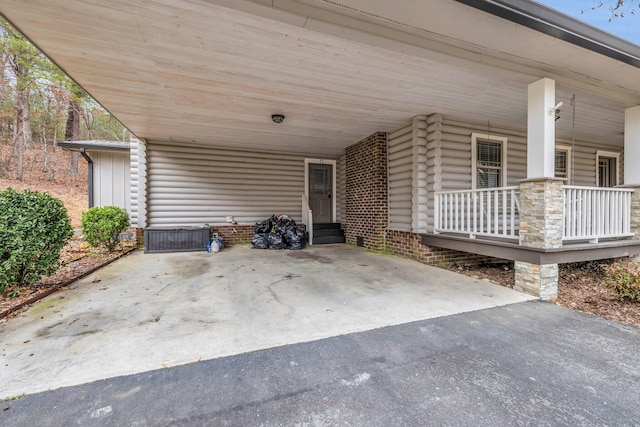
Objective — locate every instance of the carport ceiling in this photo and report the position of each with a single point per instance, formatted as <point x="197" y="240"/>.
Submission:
<point x="213" y="72"/>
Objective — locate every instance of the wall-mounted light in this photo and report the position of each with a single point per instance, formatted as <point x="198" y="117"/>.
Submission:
<point x="277" y="118"/>
<point x="556" y="108"/>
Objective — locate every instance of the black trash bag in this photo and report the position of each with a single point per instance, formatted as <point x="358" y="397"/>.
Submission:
<point x="276" y="241"/>
<point x="260" y="241"/>
<point x="263" y="227"/>
<point x="283" y="225"/>
<point x="296" y="239"/>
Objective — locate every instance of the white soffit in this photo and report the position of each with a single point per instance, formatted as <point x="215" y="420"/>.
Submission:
<point x="195" y="71"/>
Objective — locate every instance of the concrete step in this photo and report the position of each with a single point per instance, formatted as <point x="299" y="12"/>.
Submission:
<point x="324" y="226"/>
<point x="328" y="232"/>
<point x="323" y="240"/>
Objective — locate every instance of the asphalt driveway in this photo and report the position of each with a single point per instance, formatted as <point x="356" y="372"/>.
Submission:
<point x="530" y="363"/>
<point x="153" y="311"/>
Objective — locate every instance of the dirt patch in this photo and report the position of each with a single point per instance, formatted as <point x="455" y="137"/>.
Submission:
<point x="580" y="287"/>
<point x="49" y="172"/>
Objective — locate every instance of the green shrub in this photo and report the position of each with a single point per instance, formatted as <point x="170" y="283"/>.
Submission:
<point x="102" y="226"/>
<point x="34" y="227"/>
<point x="624" y="279"/>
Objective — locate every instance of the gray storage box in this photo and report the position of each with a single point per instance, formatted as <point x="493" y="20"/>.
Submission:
<point x="176" y="239"/>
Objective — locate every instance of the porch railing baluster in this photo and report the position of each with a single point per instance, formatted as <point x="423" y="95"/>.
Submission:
<point x="594" y="213"/>
<point x="487" y="212"/>
<point x="590" y="213"/>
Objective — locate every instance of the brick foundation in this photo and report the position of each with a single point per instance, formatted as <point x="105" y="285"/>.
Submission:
<point x="138" y="234"/>
<point x="234" y="234"/>
<point x="409" y="245"/>
<point x="366" y="201"/>
<point x="238" y="234"/>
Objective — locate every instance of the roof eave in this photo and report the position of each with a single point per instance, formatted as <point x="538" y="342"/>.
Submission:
<point x="95" y="146"/>
<point x="556" y="24"/>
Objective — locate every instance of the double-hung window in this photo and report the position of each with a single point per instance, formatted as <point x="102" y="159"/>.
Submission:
<point x="489" y="155"/>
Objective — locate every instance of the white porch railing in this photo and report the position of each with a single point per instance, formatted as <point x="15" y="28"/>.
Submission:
<point x="307" y="218"/>
<point x="593" y="213"/>
<point x="491" y="212"/>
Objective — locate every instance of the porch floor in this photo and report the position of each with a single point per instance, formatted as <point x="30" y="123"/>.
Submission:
<point x="509" y="250"/>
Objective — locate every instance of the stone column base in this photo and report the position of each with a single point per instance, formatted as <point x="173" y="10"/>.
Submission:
<point x="537" y="280"/>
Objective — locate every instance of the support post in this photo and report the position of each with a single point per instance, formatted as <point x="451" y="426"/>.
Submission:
<point x="541" y="131"/>
<point x="632" y="146"/>
<point x="541" y="195"/>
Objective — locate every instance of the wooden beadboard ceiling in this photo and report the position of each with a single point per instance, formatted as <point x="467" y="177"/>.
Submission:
<point x="196" y="71"/>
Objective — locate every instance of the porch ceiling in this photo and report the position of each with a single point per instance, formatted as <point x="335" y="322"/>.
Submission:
<point x="213" y="71"/>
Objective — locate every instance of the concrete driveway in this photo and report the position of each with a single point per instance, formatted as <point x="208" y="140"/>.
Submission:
<point x="152" y="311"/>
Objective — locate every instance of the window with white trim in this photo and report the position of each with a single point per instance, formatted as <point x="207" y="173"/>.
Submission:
<point x="489" y="155"/>
<point x="563" y="162"/>
<point x="607" y="164"/>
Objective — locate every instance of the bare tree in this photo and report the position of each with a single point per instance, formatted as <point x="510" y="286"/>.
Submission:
<point x="25" y="63"/>
<point x="618" y="7"/>
<point x="36" y="98"/>
<point x="72" y="129"/>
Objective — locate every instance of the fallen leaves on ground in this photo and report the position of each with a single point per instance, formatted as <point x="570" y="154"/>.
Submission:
<point x="580" y="287"/>
<point x="77" y="258"/>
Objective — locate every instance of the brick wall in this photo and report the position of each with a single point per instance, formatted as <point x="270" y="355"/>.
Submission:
<point x="139" y="237"/>
<point x="367" y="203"/>
<point x="234" y="234"/>
<point x="367" y="209"/>
<point x="409" y="245"/>
<point x="238" y="234"/>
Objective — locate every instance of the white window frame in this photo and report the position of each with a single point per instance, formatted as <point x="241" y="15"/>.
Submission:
<point x="615" y="155"/>
<point x="474" y="157"/>
<point x="567" y="149"/>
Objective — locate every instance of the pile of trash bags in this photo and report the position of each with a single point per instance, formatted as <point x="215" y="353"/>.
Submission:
<point x="279" y="232"/>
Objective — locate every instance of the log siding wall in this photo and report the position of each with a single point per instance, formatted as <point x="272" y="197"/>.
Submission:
<point x="193" y="185"/>
<point x="138" y="179"/>
<point x="400" y="165"/>
<point x="447" y="162"/>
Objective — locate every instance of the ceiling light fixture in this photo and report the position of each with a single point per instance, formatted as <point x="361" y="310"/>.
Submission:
<point x="277" y="118"/>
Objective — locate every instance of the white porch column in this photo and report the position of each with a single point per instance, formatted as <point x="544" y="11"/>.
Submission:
<point x="541" y="131"/>
<point x="632" y="146"/>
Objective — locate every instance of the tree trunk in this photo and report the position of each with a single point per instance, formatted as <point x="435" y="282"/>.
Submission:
<point x="72" y="133"/>
<point x="22" y="127"/>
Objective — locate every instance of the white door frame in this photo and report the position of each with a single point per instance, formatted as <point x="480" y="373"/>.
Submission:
<point x="333" y="181"/>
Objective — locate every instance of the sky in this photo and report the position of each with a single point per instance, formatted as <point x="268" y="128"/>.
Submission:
<point x="627" y="27"/>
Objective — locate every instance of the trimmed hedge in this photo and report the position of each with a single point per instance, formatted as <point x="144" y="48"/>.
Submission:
<point x="102" y="226"/>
